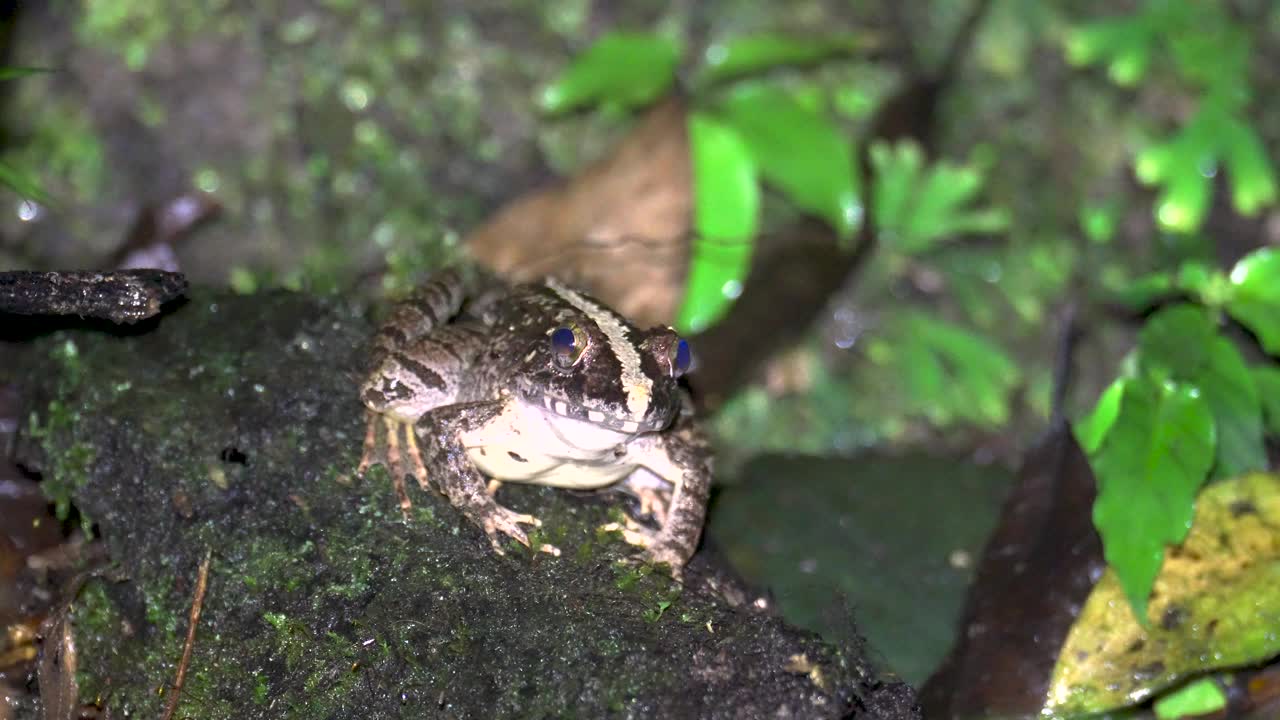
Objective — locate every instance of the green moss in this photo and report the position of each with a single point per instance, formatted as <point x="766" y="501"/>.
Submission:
<point x="322" y="601"/>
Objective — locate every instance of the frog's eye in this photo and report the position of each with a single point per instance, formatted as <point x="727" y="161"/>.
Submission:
<point x="567" y="345"/>
<point x="681" y="358"/>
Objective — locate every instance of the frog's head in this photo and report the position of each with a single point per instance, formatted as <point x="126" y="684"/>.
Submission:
<point x="591" y="364"/>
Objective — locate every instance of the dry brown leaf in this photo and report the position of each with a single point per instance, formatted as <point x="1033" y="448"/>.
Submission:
<point x="620" y="229"/>
<point x="59" y="694"/>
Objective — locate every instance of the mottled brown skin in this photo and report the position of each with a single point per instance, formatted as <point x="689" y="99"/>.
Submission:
<point x="481" y="390"/>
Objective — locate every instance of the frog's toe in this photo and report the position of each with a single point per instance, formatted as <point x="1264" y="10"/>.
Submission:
<point x="632" y="532"/>
<point x="501" y="521"/>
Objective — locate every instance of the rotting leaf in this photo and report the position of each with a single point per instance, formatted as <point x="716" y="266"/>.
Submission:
<point x="1150" y="465"/>
<point x="59" y="693"/>
<point x="1212" y="598"/>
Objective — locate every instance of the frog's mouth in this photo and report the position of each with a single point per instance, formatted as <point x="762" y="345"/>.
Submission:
<point x="564" y="408"/>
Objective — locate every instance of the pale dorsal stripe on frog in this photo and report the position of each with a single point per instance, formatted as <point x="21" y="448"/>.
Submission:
<point x="638" y="387"/>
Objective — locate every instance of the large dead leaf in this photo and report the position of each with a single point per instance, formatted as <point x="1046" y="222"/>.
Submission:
<point x="1216" y="604"/>
<point x="1036" y="570"/>
<point x="620" y="229"/>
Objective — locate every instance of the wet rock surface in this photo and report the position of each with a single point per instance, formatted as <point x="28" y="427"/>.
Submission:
<point x="231" y="430"/>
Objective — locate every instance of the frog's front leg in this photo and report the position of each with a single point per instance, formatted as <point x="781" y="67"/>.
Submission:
<point x="680" y="458"/>
<point x="440" y="434"/>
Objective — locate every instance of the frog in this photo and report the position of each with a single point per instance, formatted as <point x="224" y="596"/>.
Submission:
<point x="472" y="387"/>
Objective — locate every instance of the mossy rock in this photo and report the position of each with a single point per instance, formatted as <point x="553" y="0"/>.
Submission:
<point x="230" y="428"/>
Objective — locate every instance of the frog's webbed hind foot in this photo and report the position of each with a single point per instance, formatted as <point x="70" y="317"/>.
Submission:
<point x="497" y="521"/>
<point x="657" y="549"/>
<point x="460" y="480"/>
<point x="399" y="462"/>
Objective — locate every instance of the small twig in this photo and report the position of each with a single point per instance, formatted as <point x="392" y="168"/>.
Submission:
<point x="202" y="582"/>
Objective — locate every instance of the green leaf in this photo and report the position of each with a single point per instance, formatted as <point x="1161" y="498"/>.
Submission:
<point x="1148" y="468"/>
<point x="1253" y="179"/>
<point x="1195" y="277"/>
<point x="1181" y="343"/>
<point x="1255" y="300"/>
<point x="22" y="184"/>
<point x="1267" y="379"/>
<point x="10" y="73"/>
<point x="1174" y="344"/>
<point x="726" y="189"/>
<point x="1228" y="387"/>
<point x="1182" y="205"/>
<point x="1145" y="291"/>
<point x="916" y="207"/>
<point x="754" y="53"/>
<point x="727" y="209"/>
<point x="621" y="70"/>
<point x="1201" y="697"/>
<point x="1093" y="428"/>
<point x="1092" y="43"/>
<point x="1098" y="223"/>
<point x="798" y="151"/>
<point x="715" y="273"/>
<point x="948" y="371"/>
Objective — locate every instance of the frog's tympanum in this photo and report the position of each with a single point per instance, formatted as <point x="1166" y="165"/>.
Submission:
<point x="540" y="384"/>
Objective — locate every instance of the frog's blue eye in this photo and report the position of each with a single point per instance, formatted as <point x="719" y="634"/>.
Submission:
<point x="562" y="339"/>
<point x="683" y="358"/>
<point x="567" y="345"/>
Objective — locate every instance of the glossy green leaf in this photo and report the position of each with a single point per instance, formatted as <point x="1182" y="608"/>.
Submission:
<point x="1267" y="379"/>
<point x="715" y="281"/>
<point x="1181" y="343"/>
<point x="10" y="73"/>
<point x="726" y="188"/>
<point x="1255" y="299"/>
<point x="21" y="183"/>
<point x="1174" y="344"/>
<point x="1201" y="697"/>
<point x="1253" y="178"/>
<point x="799" y="151"/>
<point x="1092" y="429"/>
<point x="1228" y="387"/>
<point x="621" y="70"/>
<point x="754" y="53"/>
<point x="1148" y="468"/>
<point x="726" y="213"/>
